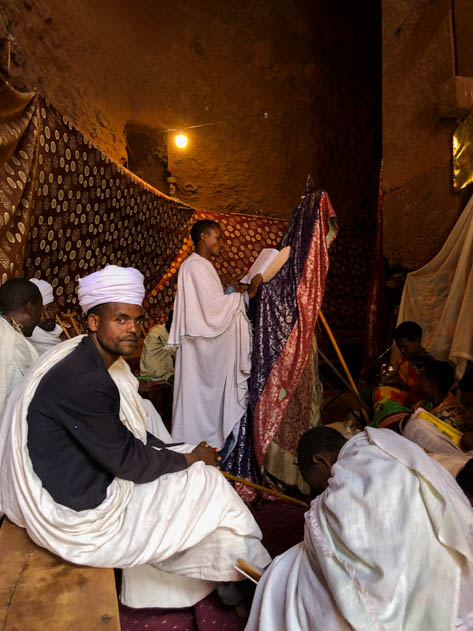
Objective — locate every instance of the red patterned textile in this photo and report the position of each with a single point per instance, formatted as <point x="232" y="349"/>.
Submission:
<point x="298" y="411"/>
<point x="19" y="142"/>
<point x="288" y="368"/>
<point x="69" y="210"/>
<point x="66" y="209"/>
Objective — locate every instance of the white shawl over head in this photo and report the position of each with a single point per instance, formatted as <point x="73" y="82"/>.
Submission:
<point x="387" y="546"/>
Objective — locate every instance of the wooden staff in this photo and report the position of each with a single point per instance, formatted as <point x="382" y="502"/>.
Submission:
<point x="342" y="361"/>
<point x="61" y="324"/>
<point x="73" y="322"/>
<point x="263" y="489"/>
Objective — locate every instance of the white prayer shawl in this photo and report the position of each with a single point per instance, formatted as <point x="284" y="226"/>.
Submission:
<point x="213" y="363"/>
<point x="439" y="296"/>
<point x="190" y="523"/>
<point x="44" y="341"/>
<point x="453" y="463"/>
<point x="16" y="358"/>
<point x="388" y="546"/>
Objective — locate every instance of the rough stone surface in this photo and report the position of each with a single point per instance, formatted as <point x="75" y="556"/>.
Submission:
<point x="294" y="83"/>
<point x="424" y="45"/>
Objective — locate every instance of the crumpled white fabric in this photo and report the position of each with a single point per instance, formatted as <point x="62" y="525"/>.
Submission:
<point x="387" y="546"/>
<point x="44" y="341"/>
<point x="190" y="523"/>
<point x="17" y="357"/>
<point x="439" y="296"/>
<point x="213" y="363"/>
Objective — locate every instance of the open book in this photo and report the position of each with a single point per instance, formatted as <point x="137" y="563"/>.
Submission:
<point x="268" y="264"/>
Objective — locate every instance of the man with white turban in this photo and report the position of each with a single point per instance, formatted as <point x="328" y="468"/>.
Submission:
<point x="83" y="475"/>
<point x="20" y="309"/>
<point x="47" y="332"/>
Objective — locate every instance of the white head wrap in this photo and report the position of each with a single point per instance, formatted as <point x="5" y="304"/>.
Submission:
<point x="111" y="284"/>
<point x="45" y="288"/>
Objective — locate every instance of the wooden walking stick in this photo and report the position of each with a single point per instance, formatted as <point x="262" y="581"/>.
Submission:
<point x="343" y="362"/>
<point x="264" y="489"/>
<point x="61" y="324"/>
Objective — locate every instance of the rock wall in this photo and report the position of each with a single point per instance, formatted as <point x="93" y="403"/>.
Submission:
<point x="293" y="86"/>
<point x="425" y="45"/>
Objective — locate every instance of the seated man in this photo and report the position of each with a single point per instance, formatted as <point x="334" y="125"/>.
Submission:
<point x="20" y="310"/>
<point x="47" y="332"/>
<point x="399" y="393"/>
<point x="387" y="544"/>
<point x="80" y="472"/>
<point x="156" y="360"/>
<point x="434" y="391"/>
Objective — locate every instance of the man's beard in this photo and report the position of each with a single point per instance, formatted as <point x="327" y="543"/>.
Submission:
<point x="48" y="325"/>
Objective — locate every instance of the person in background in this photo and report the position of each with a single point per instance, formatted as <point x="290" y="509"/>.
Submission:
<point x="20" y="311"/>
<point x="47" y="332"/>
<point x="396" y="395"/>
<point x="156" y="360"/>
<point x="387" y="542"/>
<point x="408" y="338"/>
<point x="434" y="390"/>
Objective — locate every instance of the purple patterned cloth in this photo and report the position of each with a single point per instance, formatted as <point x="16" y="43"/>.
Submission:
<point x="273" y="313"/>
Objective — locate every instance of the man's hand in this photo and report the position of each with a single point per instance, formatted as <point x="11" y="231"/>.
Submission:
<point x="255" y="283"/>
<point x="204" y="453"/>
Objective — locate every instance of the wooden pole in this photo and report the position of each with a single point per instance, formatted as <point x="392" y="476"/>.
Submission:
<point x="264" y="489"/>
<point x="342" y="361"/>
<point x="61" y="324"/>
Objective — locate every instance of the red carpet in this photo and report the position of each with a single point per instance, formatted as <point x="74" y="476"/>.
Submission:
<point x="282" y="526"/>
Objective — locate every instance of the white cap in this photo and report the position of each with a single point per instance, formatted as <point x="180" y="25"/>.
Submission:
<point x="111" y="284"/>
<point x="45" y="288"/>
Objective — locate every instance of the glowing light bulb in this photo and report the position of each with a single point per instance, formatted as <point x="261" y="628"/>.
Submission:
<point x="181" y="141"/>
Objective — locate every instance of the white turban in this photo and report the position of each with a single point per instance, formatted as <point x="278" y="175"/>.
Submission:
<point x="111" y="284"/>
<point x="46" y="290"/>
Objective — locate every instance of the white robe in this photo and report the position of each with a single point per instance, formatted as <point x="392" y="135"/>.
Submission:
<point x="16" y="358"/>
<point x="190" y="523"/>
<point x="44" y="341"/>
<point x="429" y="437"/>
<point x="388" y="546"/>
<point x="213" y="338"/>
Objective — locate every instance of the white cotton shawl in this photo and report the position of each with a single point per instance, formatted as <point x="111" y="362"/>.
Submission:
<point x="387" y="546"/>
<point x="44" y="341"/>
<point x="213" y="336"/>
<point x="17" y="357"/>
<point x="190" y="523"/>
<point x="201" y="309"/>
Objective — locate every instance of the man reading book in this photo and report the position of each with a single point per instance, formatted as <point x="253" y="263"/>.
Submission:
<point x="212" y="335"/>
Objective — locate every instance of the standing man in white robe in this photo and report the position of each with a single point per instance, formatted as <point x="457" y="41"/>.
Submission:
<point x="212" y="335"/>
<point x="388" y="545"/>
<point x="47" y="332"/>
<point x="20" y="310"/>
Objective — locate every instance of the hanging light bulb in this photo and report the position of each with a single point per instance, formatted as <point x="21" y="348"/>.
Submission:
<point x="181" y="141"/>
